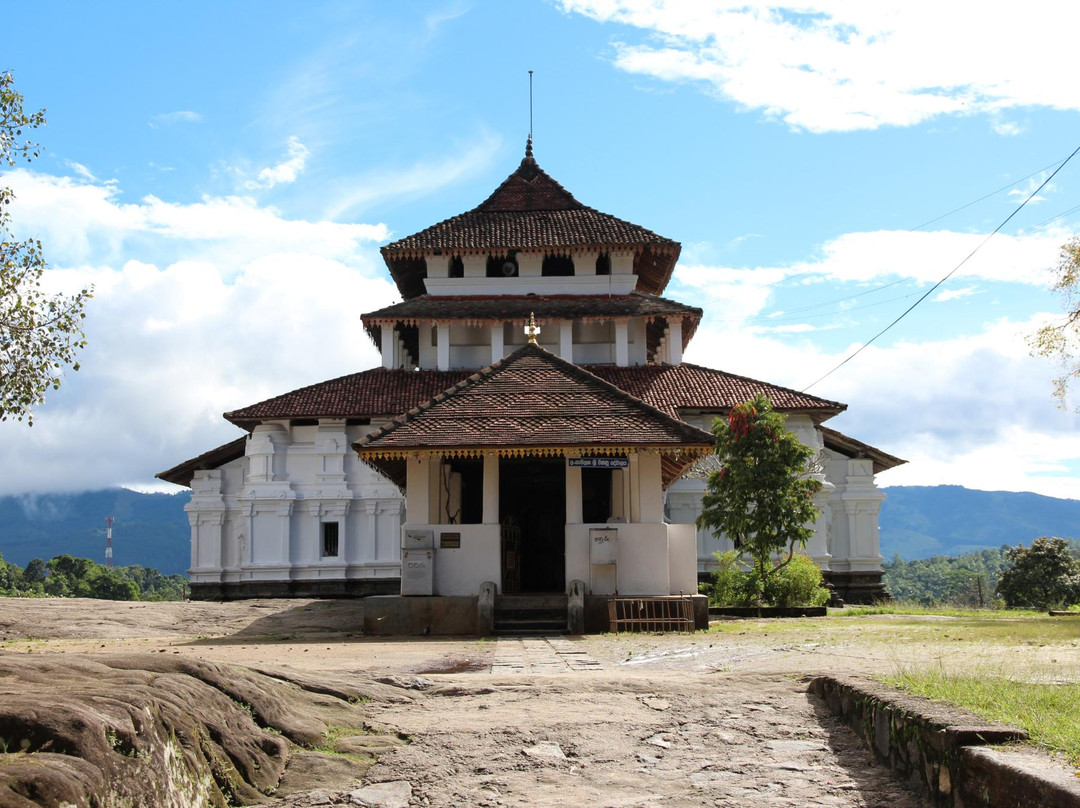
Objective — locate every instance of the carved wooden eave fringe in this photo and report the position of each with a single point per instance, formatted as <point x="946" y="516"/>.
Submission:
<point x="376" y="453"/>
<point x="504" y="250"/>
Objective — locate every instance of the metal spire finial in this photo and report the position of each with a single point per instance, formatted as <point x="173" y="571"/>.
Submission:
<point x="528" y="143"/>
<point x="532" y="329"/>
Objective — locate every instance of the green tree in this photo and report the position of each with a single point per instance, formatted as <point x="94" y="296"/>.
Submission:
<point x="1041" y="576"/>
<point x="40" y="334"/>
<point x="762" y="496"/>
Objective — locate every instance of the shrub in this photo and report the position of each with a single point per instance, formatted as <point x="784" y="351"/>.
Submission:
<point x="731" y="583"/>
<point x="800" y="583"/>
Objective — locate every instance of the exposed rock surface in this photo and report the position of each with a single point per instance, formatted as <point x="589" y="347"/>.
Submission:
<point x="154" y="730"/>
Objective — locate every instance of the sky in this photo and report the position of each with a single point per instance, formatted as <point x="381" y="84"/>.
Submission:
<point x="225" y="173"/>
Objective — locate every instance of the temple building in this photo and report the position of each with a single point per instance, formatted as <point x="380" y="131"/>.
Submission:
<point x="533" y="429"/>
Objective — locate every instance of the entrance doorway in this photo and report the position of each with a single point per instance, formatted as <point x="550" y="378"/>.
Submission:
<point x="532" y="498"/>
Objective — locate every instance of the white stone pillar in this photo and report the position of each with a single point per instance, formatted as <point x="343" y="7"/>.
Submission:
<point x="418" y="488"/>
<point x="622" y="343"/>
<point x="490" y="506"/>
<point x="427" y="358"/>
<point x="574" y="514"/>
<point x="498" y="348"/>
<point x="862" y="501"/>
<point x="530" y="265"/>
<point x="650" y="488"/>
<point x="388" y="345"/>
<point x="566" y="340"/>
<point x="474" y="266"/>
<point x="585" y="262"/>
<point x="443" y="347"/>
<point x="622" y="263"/>
<point x="438" y="266"/>
<point x="674" y="341"/>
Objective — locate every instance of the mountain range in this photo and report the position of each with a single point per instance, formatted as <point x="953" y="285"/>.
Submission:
<point x="152" y="529"/>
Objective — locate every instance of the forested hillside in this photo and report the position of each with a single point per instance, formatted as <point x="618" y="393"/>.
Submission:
<point x="151" y="529"/>
<point x="924" y="521"/>
<point x="966" y="580"/>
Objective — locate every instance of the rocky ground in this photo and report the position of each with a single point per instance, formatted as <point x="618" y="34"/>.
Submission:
<point x="284" y="703"/>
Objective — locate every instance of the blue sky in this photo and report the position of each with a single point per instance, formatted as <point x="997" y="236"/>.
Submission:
<point x="225" y="173"/>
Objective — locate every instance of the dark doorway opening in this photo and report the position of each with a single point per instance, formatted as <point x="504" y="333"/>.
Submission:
<point x="595" y="495"/>
<point x="532" y="498"/>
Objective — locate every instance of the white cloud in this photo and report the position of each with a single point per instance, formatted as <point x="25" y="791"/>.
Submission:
<point x="1029" y="188"/>
<point x="255" y="305"/>
<point x="974" y="411"/>
<point x="88" y="223"/>
<point x="81" y="170"/>
<point x="954" y="294"/>
<point x="835" y="65"/>
<point x="358" y="193"/>
<point x="878" y="256"/>
<point x="1008" y="128"/>
<point x="173" y="118"/>
<point x="284" y="172"/>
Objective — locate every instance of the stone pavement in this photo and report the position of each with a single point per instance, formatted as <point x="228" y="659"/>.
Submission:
<point x="543" y="655"/>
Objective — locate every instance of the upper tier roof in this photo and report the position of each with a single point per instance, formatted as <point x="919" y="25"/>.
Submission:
<point x="531" y="211"/>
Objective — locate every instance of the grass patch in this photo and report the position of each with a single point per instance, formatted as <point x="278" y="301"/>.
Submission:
<point x="1048" y="710"/>
<point x="910" y="607"/>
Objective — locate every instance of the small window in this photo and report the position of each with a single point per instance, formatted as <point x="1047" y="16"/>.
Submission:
<point x="457" y="267"/>
<point x="557" y="266"/>
<point x="603" y="264"/>
<point x="502" y="266"/>
<point x="330" y="539"/>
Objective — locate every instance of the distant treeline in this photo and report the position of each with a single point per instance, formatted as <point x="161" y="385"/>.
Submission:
<point x="969" y="579"/>
<point x="66" y="576"/>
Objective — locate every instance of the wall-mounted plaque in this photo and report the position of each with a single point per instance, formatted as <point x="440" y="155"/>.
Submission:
<point x="599" y="462"/>
<point x="449" y="541"/>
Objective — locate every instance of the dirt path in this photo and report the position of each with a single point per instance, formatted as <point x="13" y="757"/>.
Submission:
<point x="597" y="738"/>
<point x="606" y="721"/>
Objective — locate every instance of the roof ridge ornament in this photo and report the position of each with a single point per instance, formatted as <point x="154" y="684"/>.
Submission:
<point x="532" y="329"/>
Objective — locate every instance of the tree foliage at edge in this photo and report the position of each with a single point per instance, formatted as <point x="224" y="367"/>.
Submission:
<point x="40" y="333"/>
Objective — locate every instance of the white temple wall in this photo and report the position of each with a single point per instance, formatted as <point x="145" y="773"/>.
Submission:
<point x="267" y="525"/>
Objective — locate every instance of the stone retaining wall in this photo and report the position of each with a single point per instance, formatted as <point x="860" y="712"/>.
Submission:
<point x="941" y="750"/>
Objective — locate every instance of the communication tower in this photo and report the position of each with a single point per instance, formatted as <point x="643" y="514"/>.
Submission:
<point x="108" y="541"/>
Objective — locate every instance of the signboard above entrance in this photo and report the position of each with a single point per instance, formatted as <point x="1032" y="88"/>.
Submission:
<point x="599" y="462"/>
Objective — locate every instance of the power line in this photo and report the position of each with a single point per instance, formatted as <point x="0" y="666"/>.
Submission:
<point x="951" y="272"/>
<point x="783" y="281"/>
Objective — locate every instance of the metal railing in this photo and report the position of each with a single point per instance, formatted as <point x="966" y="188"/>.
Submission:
<point x="650" y="614"/>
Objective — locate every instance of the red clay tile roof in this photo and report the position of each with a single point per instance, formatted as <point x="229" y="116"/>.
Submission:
<point x="534" y="400"/>
<point x="388" y="393"/>
<point x="371" y="393"/>
<point x="531" y="211"/>
<point x="513" y="308"/>
<point x="673" y="388"/>
<point x="841" y="443"/>
<point x="215" y="458"/>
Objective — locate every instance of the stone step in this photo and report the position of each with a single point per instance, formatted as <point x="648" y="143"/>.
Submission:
<point x="530" y="602"/>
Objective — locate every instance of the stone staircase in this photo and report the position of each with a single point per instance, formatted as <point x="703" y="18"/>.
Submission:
<point x="530" y="614"/>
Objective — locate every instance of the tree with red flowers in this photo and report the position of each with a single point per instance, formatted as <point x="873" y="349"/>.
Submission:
<point x="762" y="496"/>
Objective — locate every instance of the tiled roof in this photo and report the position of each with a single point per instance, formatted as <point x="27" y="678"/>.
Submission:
<point x="841" y="443"/>
<point x="673" y="388"/>
<point x="387" y="393"/>
<point x="514" y="308"/>
<point x="531" y="211"/>
<point x="215" y="458"/>
<point x="376" y="392"/>
<point x="534" y="400"/>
